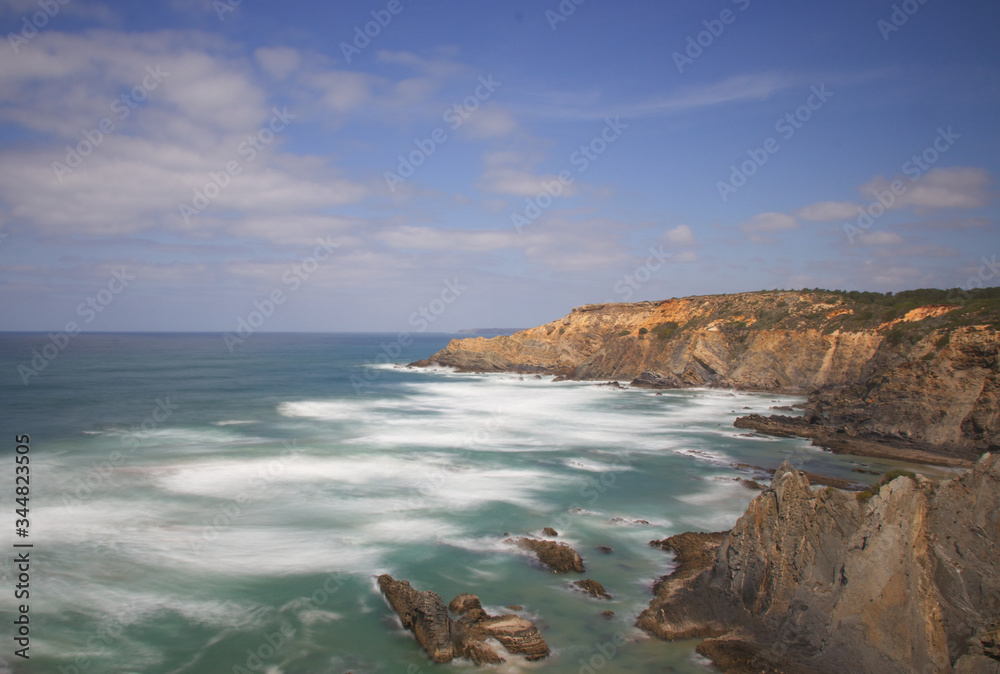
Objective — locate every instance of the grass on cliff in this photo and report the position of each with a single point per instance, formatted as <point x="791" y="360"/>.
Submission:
<point x="866" y="494"/>
<point x="849" y="311"/>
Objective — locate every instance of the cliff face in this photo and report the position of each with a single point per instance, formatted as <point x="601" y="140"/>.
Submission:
<point x="819" y="581"/>
<point x="926" y="375"/>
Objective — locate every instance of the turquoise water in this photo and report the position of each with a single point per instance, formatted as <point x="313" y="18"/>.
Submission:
<point x="197" y="511"/>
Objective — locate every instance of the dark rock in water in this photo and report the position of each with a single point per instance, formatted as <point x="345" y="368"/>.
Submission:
<point x="514" y="607"/>
<point x="819" y="580"/>
<point x="612" y="384"/>
<point x="557" y="556"/>
<point x="608" y="614"/>
<point x="593" y="588"/>
<point x="622" y="520"/>
<point x="752" y="484"/>
<point x="605" y="549"/>
<point x="424" y="614"/>
<point x="655" y="380"/>
<point x="549" y="531"/>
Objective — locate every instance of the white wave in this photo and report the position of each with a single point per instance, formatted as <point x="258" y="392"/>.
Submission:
<point x="233" y="422"/>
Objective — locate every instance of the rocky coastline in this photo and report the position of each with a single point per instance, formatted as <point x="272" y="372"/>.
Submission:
<point x="902" y="579"/>
<point x="911" y="378"/>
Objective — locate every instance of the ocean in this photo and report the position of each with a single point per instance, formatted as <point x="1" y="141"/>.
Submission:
<point x="199" y="511"/>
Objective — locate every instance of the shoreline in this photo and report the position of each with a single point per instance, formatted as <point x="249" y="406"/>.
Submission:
<point x="782" y="426"/>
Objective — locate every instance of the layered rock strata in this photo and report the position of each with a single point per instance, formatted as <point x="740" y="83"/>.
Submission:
<point x="819" y="580"/>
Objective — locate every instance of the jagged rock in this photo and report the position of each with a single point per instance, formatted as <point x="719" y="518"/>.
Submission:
<point x="549" y="531"/>
<point x="821" y="581"/>
<point x="608" y="615"/>
<point x="612" y="384"/>
<point x="480" y="652"/>
<point x="657" y="380"/>
<point x="518" y="636"/>
<point x="606" y="549"/>
<point x="424" y="614"/>
<point x="593" y="588"/>
<point x="557" y="556"/>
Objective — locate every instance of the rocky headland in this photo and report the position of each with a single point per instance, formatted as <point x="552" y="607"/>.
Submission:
<point x="915" y="375"/>
<point x="901" y="578"/>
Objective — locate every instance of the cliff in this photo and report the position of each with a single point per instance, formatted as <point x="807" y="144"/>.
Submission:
<point x="919" y="370"/>
<point x="807" y="580"/>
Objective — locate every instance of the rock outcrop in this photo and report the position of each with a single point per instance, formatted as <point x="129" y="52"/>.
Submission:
<point x="559" y="557"/>
<point x="593" y="588"/>
<point x="819" y="580"/>
<point x="884" y="370"/>
<point x="424" y="614"/>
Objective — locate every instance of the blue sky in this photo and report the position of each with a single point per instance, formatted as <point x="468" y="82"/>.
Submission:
<point x="181" y="165"/>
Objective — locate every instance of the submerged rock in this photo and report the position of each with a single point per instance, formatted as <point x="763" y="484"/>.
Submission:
<point x="557" y="556"/>
<point x="823" y="581"/>
<point x="424" y="614"/>
<point x="593" y="588"/>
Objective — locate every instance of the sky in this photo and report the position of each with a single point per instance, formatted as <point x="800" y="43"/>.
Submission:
<point x="420" y="165"/>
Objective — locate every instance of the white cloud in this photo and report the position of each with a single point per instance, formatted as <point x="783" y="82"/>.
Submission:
<point x="489" y="121"/>
<point x="879" y="238"/>
<point x="769" y="222"/>
<point x="684" y="256"/>
<point x="680" y="235"/>
<point x="278" y="62"/>
<point x="826" y="211"/>
<point x="955" y="187"/>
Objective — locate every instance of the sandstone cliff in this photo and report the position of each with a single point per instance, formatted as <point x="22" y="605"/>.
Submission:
<point x="918" y="369"/>
<point x="823" y="581"/>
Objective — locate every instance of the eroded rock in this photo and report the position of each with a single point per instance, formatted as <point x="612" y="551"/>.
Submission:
<point x="593" y="588"/>
<point x="822" y="581"/>
<point x="425" y="614"/>
<point x="559" y="557"/>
